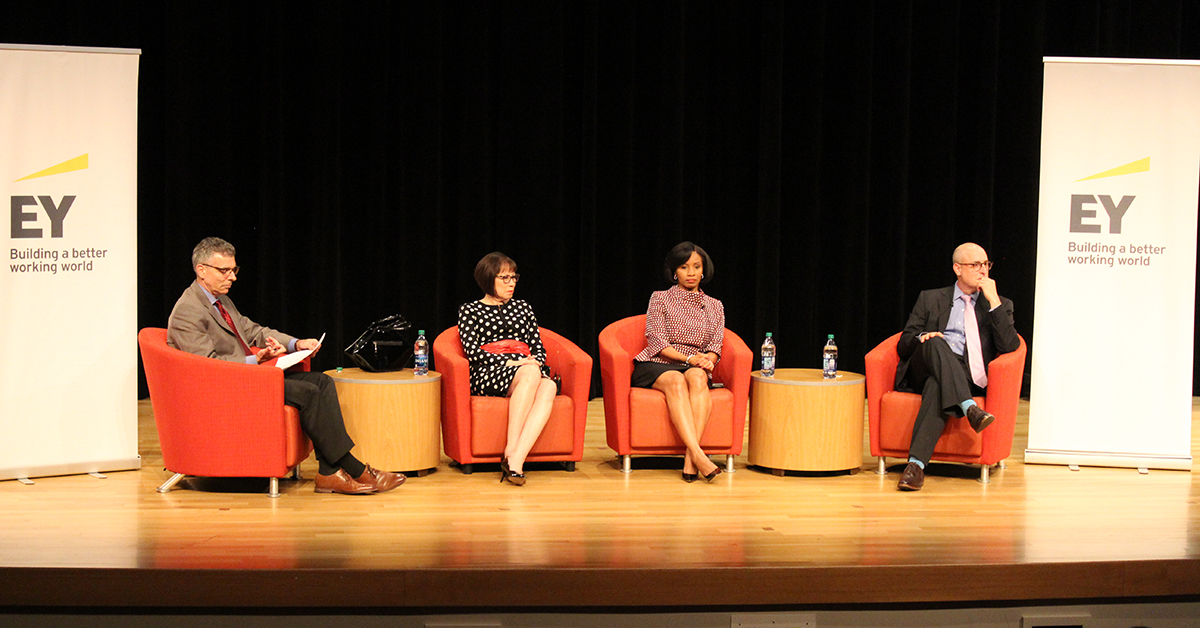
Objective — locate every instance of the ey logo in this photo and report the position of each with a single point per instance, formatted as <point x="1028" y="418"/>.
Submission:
<point x="56" y="212"/>
<point x="1115" y="210"/>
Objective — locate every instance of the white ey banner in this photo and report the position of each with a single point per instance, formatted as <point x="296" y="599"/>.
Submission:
<point x="1116" y="264"/>
<point x="68" y="173"/>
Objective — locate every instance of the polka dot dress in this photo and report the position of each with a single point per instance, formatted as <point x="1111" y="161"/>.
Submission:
<point x="480" y="324"/>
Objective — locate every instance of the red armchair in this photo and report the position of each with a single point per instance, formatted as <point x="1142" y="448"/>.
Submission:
<point x="475" y="429"/>
<point x="218" y="418"/>
<point x="636" y="419"/>
<point x="892" y="413"/>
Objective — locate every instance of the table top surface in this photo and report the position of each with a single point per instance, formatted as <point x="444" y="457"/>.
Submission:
<point x="808" y="377"/>
<point x="358" y="376"/>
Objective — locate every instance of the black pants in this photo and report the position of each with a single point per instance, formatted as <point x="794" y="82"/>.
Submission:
<point x="315" y="396"/>
<point x="944" y="379"/>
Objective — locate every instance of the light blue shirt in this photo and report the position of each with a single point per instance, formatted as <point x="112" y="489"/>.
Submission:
<point x="956" y="327"/>
<point x="250" y="359"/>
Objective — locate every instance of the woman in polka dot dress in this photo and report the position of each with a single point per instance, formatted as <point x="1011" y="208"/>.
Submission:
<point x="501" y="340"/>
<point x="684" y="330"/>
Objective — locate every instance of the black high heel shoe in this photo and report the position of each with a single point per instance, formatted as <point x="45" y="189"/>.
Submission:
<point x="709" y="477"/>
<point x="508" y="475"/>
<point x="690" y="477"/>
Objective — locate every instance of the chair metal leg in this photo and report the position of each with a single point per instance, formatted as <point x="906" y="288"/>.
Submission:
<point x="626" y="464"/>
<point x="985" y="474"/>
<point x="296" y="472"/>
<point x="274" y="487"/>
<point x="881" y="469"/>
<point x="166" y="486"/>
<point x="729" y="464"/>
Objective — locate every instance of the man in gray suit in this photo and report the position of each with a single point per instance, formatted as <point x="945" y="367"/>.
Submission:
<point x="951" y="336"/>
<point x="205" y="322"/>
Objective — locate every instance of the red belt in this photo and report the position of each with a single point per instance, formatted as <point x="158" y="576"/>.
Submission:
<point x="507" y="346"/>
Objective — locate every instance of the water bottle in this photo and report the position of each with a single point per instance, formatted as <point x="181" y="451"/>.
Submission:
<point x="829" y="362"/>
<point x="421" y="355"/>
<point x="768" y="357"/>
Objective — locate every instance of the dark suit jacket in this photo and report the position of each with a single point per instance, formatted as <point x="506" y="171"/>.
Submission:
<point x="997" y="334"/>
<point x="195" y="326"/>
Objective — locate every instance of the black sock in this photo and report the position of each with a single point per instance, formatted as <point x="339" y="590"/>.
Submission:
<point x="351" y="465"/>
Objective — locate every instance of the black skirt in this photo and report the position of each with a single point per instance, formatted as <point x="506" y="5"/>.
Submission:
<point x="646" y="373"/>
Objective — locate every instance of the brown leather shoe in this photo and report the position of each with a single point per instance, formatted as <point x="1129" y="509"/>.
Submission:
<point x="342" y="483"/>
<point x="913" y="478"/>
<point x="979" y="418"/>
<point x="383" y="481"/>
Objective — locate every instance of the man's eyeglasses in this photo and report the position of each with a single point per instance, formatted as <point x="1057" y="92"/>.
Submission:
<point x="224" y="271"/>
<point x="509" y="278"/>
<point x="975" y="265"/>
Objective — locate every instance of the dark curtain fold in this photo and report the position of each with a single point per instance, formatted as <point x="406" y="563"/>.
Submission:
<point x="364" y="155"/>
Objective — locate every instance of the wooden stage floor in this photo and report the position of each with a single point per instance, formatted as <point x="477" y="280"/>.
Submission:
<point x="600" y="539"/>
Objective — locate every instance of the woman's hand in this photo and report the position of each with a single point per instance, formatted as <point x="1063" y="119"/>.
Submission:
<point x="701" y="360"/>
<point x="523" y="362"/>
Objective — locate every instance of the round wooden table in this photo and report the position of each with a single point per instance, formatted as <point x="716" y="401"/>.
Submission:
<point x="394" y="417"/>
<point x="800" y="421"/>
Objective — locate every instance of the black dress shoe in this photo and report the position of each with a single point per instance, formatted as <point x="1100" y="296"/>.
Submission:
<point x="979" y="418"/>
<point x="690" y="477"/>
<point x="913" y="478"/>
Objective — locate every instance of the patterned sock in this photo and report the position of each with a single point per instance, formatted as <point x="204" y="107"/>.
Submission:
<point x="919" y="463"/>
<point x="967" y="404"/>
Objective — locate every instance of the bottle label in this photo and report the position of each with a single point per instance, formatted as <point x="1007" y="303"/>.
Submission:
<point x="768" y="364"/>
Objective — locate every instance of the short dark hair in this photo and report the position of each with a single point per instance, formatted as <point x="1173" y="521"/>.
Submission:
<point x="490" y="266"/>
<point x="680" y="254"/>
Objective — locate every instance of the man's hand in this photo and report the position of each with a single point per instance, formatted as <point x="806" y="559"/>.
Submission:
<point x="988" y="287"/>
<point x="309" y="343"/>
<point x="930" y="334"/>
<point x="272" y="351"/>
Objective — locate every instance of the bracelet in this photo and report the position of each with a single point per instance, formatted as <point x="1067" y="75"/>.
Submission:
<point x="688" y="360"/>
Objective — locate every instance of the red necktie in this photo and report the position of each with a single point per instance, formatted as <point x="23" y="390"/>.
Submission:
<point x="974" y="352"/>
<point x="229" y="321"/>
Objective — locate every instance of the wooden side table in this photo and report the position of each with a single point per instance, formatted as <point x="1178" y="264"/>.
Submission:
<point x="394" y="418"/>
<point x="800" y="421"/>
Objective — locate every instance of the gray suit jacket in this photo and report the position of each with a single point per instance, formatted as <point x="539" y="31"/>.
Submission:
<point x="197" y="327"/>
<point x="997" y="334"/>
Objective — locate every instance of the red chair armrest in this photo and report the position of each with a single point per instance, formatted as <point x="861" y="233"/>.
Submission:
<point x="881" y="364"/>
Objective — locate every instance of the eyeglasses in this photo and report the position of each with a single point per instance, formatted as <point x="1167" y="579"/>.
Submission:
<point x="509" y="278"/>
<point x="224" y="271"/>
<point x="976" y="265"/>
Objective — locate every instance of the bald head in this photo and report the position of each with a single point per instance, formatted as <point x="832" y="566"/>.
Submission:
<point x="971" y="266"/>
<point x="968" y="252"/>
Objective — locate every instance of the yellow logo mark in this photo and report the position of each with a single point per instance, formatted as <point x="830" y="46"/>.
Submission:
<point x="1141" y="165"/>
<point x="70" y="165"/>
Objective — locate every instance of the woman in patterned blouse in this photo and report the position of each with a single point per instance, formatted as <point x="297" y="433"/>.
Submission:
<point x="500" y="337"/>
<point x="684" y="330"/>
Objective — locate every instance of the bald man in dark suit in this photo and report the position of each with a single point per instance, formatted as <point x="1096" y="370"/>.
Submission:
<point x="950" y="329"/>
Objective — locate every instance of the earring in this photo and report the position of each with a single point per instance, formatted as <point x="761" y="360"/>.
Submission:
<point x="702" y="275"/>
<point x="675" y="278"/>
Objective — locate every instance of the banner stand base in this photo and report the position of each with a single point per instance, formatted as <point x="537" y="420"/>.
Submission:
<point x="1102" y="459"/>
<point x="72" y="468"/>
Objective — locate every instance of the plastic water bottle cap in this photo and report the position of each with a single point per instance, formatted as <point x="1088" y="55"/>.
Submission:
<point x="768" y="334"/>
<point x="339" y="369"/>
<point x="831" y="336"/>
<point x="420" y="332"/>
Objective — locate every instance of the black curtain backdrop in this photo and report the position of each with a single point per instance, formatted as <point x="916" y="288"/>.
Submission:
<point x="364" y="155"/>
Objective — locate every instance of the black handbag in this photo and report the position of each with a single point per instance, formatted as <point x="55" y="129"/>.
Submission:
<point x="386" y="345"/>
